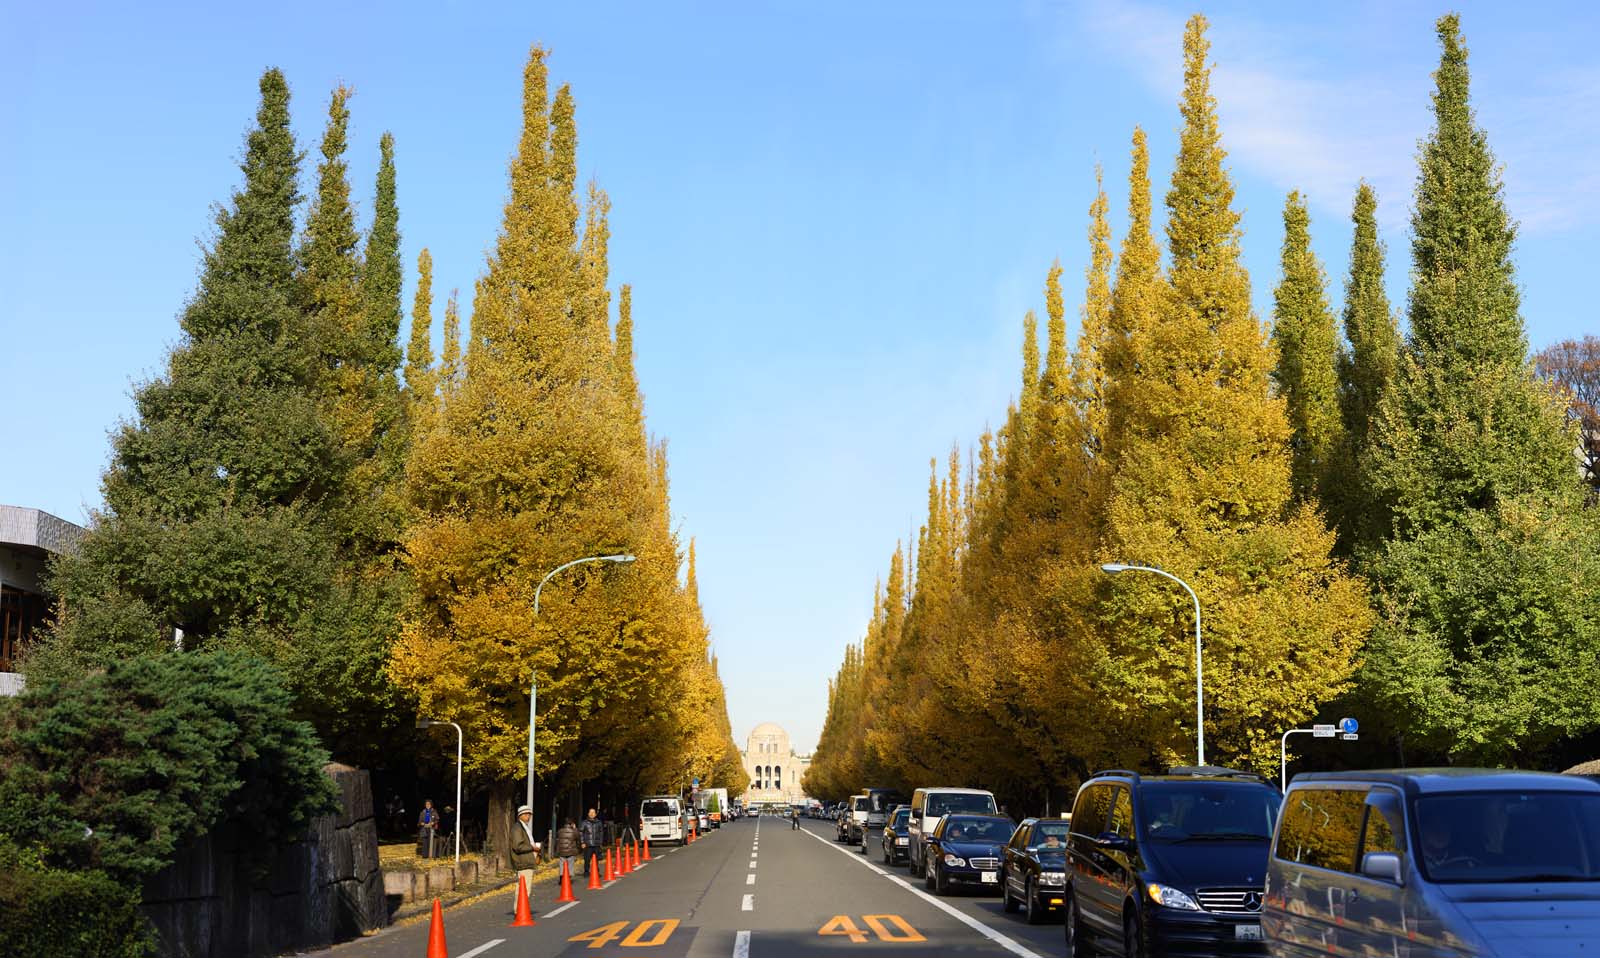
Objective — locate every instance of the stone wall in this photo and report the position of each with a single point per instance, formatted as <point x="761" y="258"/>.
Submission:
<point x="210" y="902"/>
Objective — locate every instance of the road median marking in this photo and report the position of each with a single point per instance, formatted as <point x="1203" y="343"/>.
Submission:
<point x="553" y="912"/>
<point x="1004" y="941"/>
<point x="741" y="945"/>
<point x="749" y="903"/>
<point x="750" y="879"/>
<point x="481" y="948"/>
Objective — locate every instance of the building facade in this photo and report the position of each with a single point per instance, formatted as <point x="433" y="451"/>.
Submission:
<point x="775" y="770"/>
<point x="28" y="537"/>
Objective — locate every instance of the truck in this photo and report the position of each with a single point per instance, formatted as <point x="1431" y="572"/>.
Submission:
<point x="714" y="802"/>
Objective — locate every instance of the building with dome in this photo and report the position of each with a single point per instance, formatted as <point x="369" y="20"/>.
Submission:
<point x="775" y="770"/>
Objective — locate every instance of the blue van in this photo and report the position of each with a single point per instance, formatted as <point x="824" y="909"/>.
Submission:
<point x="1435" y="862"/>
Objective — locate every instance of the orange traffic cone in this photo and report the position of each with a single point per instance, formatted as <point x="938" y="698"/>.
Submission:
<point x="594" y="872"/>
<point x="635" y="853"/>
<point x="611" y="870"/>
<point x="436" y="945"/>
<point x="524" y="917"/>
<point x="647" y="849"/>
<point x="566" y="884"/>
<point x="622" y="858"/>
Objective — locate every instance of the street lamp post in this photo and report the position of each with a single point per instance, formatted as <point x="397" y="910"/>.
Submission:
<point x="533" y="681"/>
<point x="456" y="826"/>
<point x="1199" y="683"/>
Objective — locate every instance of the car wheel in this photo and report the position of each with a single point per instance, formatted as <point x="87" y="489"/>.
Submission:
<point x="1132" y="936"/>
<point x="1030" y="904"/>
<point x="1007" y="903"/>
<point x="941" y="884"/>
<point x="927" y="876"/>
<point x="1078" y="945"/>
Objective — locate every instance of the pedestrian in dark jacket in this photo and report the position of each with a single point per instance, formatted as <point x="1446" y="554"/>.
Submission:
<point x="592" y="833"/>
<point x="567" y="844"/>
<point x="524" y="850"/>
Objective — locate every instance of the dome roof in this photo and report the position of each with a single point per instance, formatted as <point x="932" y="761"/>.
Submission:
<point x="769" y="728"/>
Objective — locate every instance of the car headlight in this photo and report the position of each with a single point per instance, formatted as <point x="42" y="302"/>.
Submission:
<point x="955" y="862"/>
<point x="1171" y="897"/>
<point x="1052" y="878"/>
<point x="902" y="841"/>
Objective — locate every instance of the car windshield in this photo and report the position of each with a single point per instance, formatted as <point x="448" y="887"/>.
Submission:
<point x="942" y="805"/>
<point x="658" y="809"/>
<point x="1044" y="831"/>
<point x="863" y="805"/>
<point x="885" y="801"/>
<point x="1510" y="836"/>
<point x="967" y="828"/>
<point x="1200" y="811"/>
<point x="900" y="818"/>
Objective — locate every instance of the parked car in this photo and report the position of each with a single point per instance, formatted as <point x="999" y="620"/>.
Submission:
<point x="896" y="836"/>
<point x="1169" y="864"/>
<point x="966" y="850"/>
<point x="1033" y="876"/>
<point x="860" y="805"/>
<point x="929" y="805"/>
<point x="1427" y="862"/>
<point x="661" y="819"/>
<point x="880" y="802"/>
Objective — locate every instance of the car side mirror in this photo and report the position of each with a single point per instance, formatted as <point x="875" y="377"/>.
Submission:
<point x="1112" y="842"/>
<point x="1384" y="866"/>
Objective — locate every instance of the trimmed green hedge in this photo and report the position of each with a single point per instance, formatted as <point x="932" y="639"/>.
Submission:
<point x="55" y="913"/>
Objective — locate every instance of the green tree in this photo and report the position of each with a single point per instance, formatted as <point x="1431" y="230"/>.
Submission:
<point x="1307" y="342"/>
<point x="1486" y="642"/>
<point x="1366" y="368"/>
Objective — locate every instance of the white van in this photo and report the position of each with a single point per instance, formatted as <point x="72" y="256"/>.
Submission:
<point x="930" y="805"/>
<point x="661" y="819"/>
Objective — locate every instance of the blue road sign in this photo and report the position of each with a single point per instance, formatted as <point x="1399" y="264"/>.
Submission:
<point x="1349" y="726"/>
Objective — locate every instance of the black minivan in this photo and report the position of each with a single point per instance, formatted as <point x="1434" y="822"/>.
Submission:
<point x="1169" y="865"/>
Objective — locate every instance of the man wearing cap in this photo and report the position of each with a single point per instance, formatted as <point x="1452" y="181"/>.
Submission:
<point x="524" y="850"/>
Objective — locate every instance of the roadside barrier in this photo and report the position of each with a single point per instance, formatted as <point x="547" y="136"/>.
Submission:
<point x="566" y="884"/>
<point x="594" y="872"/>
<point x="524" y="917"/>
<point x="436" y="946"/>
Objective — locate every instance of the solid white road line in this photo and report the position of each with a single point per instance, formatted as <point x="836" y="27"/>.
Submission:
<point x="1003" y="941"/>
<point x="749" y="903"/>
<point x="741" y="945"/>
<point x="750" y="879"/>
<point x="481" y="948"/>
<point x="552" y="913"/>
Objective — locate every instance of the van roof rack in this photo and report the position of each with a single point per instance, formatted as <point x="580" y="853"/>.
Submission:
<point x="1213" y="771"/>
<point x="1129" y="773"/>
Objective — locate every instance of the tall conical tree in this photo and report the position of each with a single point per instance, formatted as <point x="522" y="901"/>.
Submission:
<point x="451" y="368"/>
<point x="1367" y="366"/>
<point x="422" y="380"/>
<point x="1137" y="299"/>
<point x="1307" y="342"/>
<point x="1465" y="424"/>
<point x="1489" y="638"/>
<point x="1201" y="490"/>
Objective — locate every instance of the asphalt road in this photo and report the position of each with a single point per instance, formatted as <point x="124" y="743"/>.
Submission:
<point x="752" y="889"/>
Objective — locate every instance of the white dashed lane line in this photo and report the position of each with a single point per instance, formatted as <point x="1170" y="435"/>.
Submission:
<point x="498" y="941"/>
<point x="741" y="945"/>
<point x="749" y="903"/>
<point x="750" y="879"/>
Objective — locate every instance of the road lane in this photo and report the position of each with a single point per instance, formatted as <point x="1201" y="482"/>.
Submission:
<point x="752" y="889"/>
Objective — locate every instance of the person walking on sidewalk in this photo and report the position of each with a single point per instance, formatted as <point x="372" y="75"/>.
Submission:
<point x="592" y="833"/>
<point x="567" y="846"/>
<point x="524" y="850"/>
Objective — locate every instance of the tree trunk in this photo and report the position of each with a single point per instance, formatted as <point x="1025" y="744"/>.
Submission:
<point x="502" y="812"/>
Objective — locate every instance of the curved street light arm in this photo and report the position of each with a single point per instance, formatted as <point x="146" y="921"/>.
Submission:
<point x="1199" y="682"/>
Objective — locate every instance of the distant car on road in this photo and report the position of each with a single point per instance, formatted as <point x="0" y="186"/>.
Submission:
<point x="897" y="836"/>
<point x="966" y="850"/>
<point x="1429" y="862"/>
<point x="1033" y="876"/>
<point x="846" y="822"/>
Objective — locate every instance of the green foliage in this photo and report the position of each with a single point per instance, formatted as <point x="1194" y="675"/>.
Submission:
<point x="48" y="912"/>
<point x="153" y="752"/>
<point x="1307" y="342"/>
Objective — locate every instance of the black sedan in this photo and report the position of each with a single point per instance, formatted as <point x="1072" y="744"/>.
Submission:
<point x="897" y="836"/>
<point x="1033" y="876"/>
<point x="966" y="850"/>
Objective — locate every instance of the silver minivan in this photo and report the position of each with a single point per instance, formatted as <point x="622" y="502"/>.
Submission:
<point x="1435" y="862"/>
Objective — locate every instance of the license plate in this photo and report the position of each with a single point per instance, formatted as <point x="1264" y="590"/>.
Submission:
<point x="990" y="878"/>
<point x="1247" y="932"/>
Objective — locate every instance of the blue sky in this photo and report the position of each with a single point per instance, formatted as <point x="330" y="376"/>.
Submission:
<point x="833" y="214"/>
